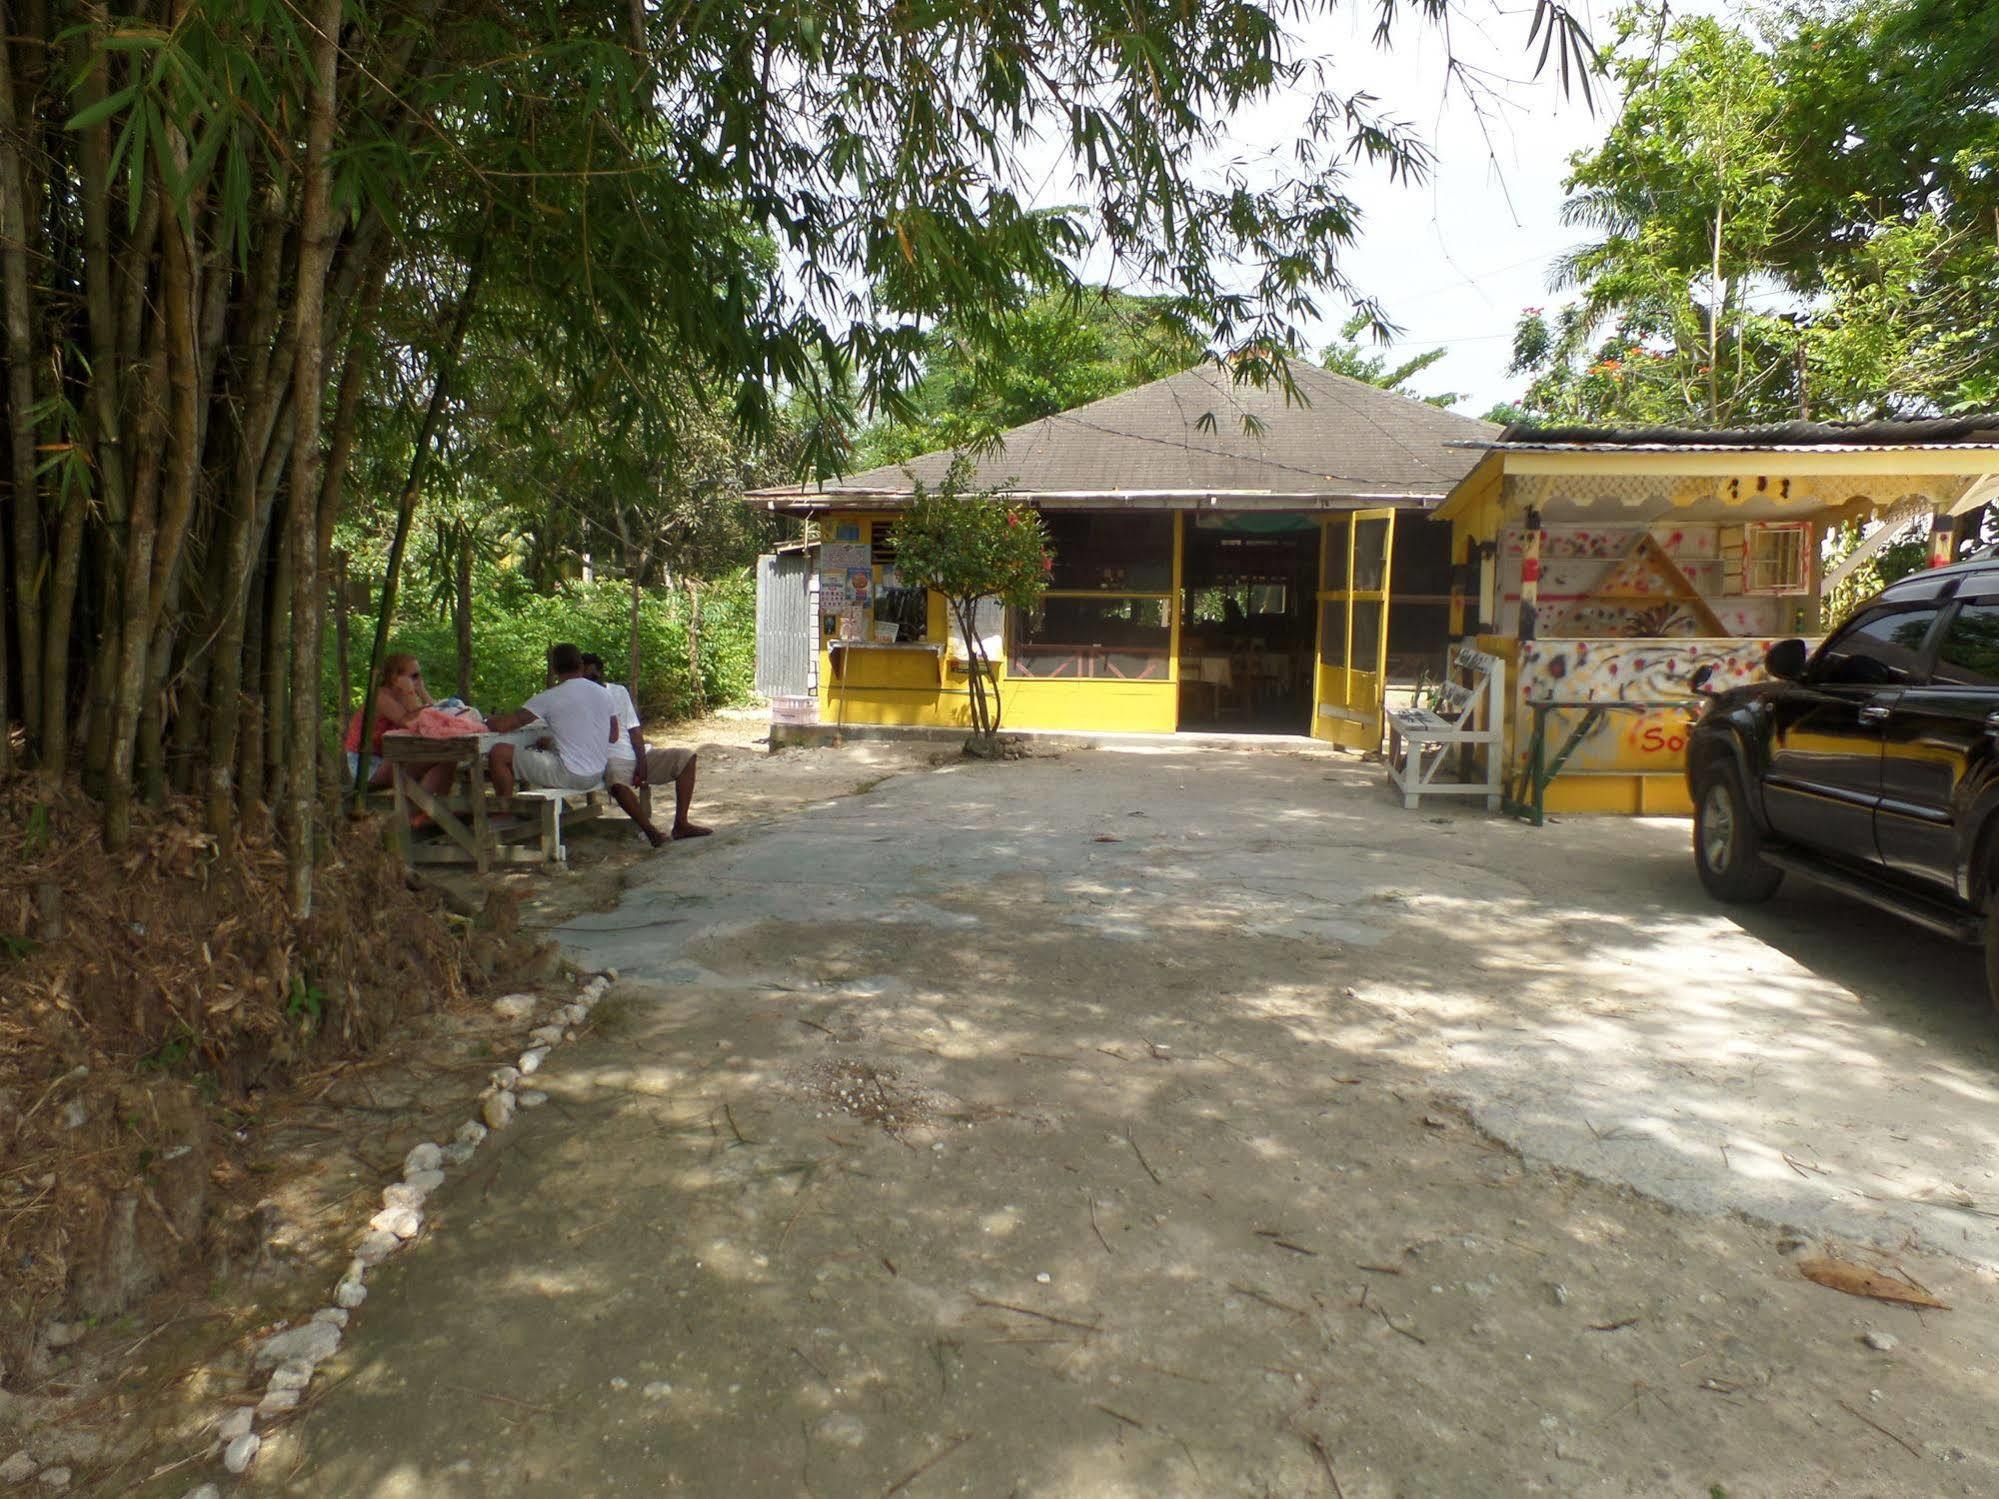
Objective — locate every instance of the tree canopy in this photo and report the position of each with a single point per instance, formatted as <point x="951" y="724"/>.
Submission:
<point x="1794" y="219"/>
<point x="1347" y="356"/>
<point x="1055" y="351"/>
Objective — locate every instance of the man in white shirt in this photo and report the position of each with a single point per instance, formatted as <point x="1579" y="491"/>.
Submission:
<point x="632" y="765"/>
<point x="581" y="720"/>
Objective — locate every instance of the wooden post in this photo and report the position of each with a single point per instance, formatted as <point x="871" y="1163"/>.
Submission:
<point x="1530" y="576"/>
<point x="1943" y="541"/>
<point x="1812" y="616"/>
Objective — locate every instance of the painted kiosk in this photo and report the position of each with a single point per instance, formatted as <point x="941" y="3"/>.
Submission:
<point x="1607" y="567"/>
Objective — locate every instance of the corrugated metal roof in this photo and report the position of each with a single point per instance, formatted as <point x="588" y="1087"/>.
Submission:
<point x="1186" y="435"/>
<point x="1975" y="431"/>
<point x="1724" y="447"/>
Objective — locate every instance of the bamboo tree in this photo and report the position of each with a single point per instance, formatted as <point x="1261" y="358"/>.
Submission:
<point x="412" y="489"/>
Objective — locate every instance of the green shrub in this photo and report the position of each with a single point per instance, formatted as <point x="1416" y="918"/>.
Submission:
<point x="512" y="629"/>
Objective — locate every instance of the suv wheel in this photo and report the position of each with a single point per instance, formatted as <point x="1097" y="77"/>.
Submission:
<point x="1728" y="846"/>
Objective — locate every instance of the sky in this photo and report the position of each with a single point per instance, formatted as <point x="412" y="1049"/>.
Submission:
<point x="1454" y="259"/>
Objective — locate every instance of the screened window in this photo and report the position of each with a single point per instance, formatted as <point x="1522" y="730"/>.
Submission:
<point x="1111" y="638"/>
<point x="1969" y="654"/>
<point x="1111" y="553"/>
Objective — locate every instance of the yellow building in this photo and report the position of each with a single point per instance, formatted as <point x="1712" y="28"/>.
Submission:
<point x="1227" y="559"/>
<point x="1607" y="567"/>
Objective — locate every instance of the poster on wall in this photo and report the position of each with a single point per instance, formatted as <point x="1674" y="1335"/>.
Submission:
<point x="846" y="585"/>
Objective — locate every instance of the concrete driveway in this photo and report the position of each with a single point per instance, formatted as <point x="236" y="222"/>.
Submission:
<point x="1165" y="1123"/>
<point x="1810" y="1061"/>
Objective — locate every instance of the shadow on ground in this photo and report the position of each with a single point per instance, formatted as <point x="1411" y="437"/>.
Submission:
<point x="1083" y="1128"/>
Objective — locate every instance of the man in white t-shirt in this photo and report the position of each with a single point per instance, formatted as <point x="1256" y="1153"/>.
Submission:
<point x="581" y="721"/>
<point x="633" y="765"/>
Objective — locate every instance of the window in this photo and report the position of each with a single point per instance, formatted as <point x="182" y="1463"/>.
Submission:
<point x="1108" y="612"/>
<point x="1969" y="653"/>
<point x="902" y="614"/>
<point x="1881" y="648"/>
<point x="1776" y="557"/>
<point x="988" y="617"/>
<point x="1118" y="638"/>
<point x="1110" y="553"/>
<point x="1234" y="603"/>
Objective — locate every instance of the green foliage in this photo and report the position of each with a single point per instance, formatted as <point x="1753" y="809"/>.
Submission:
<point x="1348" y="357"/>
<point x="306" y="1004"/>
<point x="174" y="1050"/>
<point x="1797" y="222"/>
<point x="1056" y="351"/>
<point x="513" y="626"/>
<point x="1908" y="553"/>
<point x="970" y="546"/>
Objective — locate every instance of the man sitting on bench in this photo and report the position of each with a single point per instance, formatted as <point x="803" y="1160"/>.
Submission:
<point x="582" y="723"/>
<point x="632" y="765"/>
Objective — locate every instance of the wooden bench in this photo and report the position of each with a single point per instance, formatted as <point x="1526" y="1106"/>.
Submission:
<point x="1469" y="716"/>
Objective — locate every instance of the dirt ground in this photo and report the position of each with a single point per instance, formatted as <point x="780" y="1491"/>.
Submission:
<point x="1144" y="1124"/>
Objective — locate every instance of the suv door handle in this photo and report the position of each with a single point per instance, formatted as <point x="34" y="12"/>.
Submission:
<point x="1992" y="723"/>
<point x="1879" y="713"/>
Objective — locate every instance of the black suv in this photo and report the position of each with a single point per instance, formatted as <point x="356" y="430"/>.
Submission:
<point x="1872" y="766"/>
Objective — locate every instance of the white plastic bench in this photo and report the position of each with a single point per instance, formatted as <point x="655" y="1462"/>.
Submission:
<point x="584" y="806"/>
<point x="1470" y="712"/>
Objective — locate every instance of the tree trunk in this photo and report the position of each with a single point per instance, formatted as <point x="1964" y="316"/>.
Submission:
<point x="189" y="699"/>
<point x="16" y="309"/>
<point x="279" y="677"/>
<point x="232" y="608"/>
<point x="694" y="645"/>
<point x="440" y="392"/>
<point x="247" y="739"/>
<point x="131" y="563"/>
<point x="1715" y="297"/>
<point x="343" y="686"/>
<point x="979" y="679"/>
<point x="461" y="614"/>
<point x="632" y="652"/>
<point x="152" y="748"/>
<point x="315" y="254"/>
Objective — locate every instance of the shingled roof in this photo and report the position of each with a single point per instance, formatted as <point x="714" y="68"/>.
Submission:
<point x="1182" y="440"/>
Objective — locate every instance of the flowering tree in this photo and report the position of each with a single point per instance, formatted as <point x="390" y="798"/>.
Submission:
<point x="969" y="547"/>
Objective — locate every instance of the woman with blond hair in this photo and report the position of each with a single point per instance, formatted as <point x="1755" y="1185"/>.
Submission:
<point x="398" y="698"/>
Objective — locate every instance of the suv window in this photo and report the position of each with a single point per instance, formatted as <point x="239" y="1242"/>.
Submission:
<point x="1881" y="648"/>
<point x="1969" y="653"/>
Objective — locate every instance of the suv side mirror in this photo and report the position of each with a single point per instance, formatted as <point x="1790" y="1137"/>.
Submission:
<point x="1786" y="661"/>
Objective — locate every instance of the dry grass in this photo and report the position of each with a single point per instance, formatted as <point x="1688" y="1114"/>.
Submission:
<point x="153" y="1002"/>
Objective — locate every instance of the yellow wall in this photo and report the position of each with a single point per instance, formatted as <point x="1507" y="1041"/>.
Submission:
<point x="908" y="687"/>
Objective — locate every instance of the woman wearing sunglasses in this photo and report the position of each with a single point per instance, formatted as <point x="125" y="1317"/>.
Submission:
<point x="398" y="698"/>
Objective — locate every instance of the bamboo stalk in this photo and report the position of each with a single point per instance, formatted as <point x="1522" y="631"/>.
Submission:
<point x="315" y="255"/>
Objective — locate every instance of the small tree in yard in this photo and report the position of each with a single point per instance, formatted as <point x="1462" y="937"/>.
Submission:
<point x="970" y="547"/>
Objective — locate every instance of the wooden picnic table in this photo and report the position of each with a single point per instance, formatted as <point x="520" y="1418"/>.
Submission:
<point x="471" y="836"/>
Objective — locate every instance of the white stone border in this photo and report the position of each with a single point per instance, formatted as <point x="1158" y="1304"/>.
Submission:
<point x="294" y="1355"/>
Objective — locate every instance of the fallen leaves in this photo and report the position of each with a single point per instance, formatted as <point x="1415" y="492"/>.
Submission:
<point x="1858" y="1280"/>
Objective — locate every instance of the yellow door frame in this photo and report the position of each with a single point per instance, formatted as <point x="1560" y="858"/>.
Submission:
<point x="1347" y="706"/>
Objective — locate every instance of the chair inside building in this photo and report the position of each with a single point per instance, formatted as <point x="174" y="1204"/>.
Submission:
<point x="1248" y="607"/>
